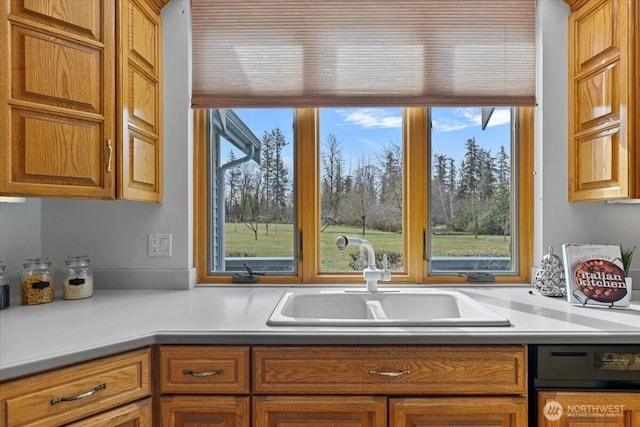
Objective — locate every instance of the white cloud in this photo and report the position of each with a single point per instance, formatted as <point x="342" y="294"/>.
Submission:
<point x="448" y="125"/>
<point x="371" y="118"/>
<point x="370" y="143"/>
<point x="462" y="118"/>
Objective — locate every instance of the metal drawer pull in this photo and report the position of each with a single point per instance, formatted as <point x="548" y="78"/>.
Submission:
<point x="110" y="155"/>
<point x="79" y="396"/>
<point x="390" y="374"/>
<point x="202" y="374"/>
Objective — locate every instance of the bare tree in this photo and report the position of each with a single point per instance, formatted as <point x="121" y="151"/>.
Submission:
<point x="332" y="181"/>
<point x="365" y="190"/>
<point x="250" y="191"/>
<point x="233" y="182"/>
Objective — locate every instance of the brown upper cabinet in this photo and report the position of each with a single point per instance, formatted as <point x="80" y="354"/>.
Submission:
<point x="81" y="101"/>
<point x="604" y="115"/>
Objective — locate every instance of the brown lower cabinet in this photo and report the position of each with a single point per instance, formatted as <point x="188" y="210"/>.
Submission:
<point x="282" y="386"/>
<point x="588" y="409"/>
<point x="342" y="386"/>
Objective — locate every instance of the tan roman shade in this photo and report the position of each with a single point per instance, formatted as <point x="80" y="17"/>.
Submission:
<point x="297" y="53"/>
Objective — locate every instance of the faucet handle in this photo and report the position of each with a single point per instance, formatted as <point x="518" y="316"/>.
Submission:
<point x="386" y="273"/>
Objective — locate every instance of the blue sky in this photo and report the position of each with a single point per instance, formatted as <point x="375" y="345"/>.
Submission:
<point x="364" y="131"/>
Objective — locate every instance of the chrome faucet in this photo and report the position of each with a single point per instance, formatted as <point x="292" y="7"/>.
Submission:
<point x="371" y="274"/>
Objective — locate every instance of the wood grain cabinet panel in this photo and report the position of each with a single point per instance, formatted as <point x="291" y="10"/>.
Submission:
<point x="57" y="72"/>
<point x="458" y="412"/>
<point x="318" y="411"/>
<point x="604" y="110"/>
<point x="70" y="157"/>
<point x="389" y="370"/>
<point x="588" y="408"/>
<point x="85" y="21"/>
<point x="596" y="35"/>
<point x="598" y="153"/>
<point x="204" y="411"/>
<point x="70" y="394"/>
<point x="598" y="98"/>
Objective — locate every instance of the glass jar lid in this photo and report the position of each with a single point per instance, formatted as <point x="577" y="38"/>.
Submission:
<point x="37" y="263"/>
<point x="77" y="261"/>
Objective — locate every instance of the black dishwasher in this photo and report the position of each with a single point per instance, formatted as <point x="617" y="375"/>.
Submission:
<point x="593" y="384"/>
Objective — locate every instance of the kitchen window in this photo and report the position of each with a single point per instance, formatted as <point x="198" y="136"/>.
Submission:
<point x="308" y="175"/>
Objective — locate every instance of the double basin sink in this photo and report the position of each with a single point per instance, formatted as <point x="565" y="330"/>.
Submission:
<point x="388" y="307"/>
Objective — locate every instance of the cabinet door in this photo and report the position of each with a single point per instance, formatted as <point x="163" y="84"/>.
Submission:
<point x="140" y="83"/>
<point x="584" y="409"/>
<point x="456" y="411"/>
<point x="317" y="411"/>
<point x="204" y="411"/>
<point x="57" y="98"/>
<point x="136" y="414"/>
<point x="601" y="101"/>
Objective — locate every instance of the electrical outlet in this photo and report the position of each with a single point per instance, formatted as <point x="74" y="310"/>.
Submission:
<point x="159" y="244"/>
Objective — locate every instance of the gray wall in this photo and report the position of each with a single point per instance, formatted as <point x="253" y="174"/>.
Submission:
<point x="114" y="233"/>
<point x="20" y="235"/>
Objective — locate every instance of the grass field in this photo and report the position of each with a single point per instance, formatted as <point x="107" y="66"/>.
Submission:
<point x="279" y="243"/>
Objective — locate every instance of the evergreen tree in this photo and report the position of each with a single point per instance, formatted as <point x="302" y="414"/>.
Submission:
<point x="280" y="177"/>
<point x="233" y="181"/>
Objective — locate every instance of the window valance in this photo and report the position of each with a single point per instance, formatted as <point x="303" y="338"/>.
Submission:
<point x="297" y="53"/>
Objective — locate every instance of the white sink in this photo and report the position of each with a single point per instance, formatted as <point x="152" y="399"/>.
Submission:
<point x="388" y="307"/>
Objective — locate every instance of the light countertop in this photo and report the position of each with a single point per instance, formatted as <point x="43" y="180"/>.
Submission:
<point x="36" y="338"/>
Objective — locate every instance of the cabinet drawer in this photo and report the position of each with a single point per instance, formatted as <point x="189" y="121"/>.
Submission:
<point x="137" y="414"/>
<point x="204" y="369"/>
<point x="69" y="394"/>
<point x="390" y="370"/>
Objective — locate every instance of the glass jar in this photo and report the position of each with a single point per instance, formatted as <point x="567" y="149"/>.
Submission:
<point x="78" y="281"/>
<point x="4" y="287"/>
<point x="36" y="281"/>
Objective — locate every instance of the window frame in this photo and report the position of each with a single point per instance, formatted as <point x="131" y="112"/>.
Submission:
<point x="417" y="152"/>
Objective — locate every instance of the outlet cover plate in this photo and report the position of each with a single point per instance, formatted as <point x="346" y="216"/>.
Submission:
<point x="159" y="244"/>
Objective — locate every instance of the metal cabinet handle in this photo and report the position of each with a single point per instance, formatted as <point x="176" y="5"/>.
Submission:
<point x="84" y="395"/>
<point x="390" y="374"/>
<point x="110" y="156"/>
<point x="202" y="374"/>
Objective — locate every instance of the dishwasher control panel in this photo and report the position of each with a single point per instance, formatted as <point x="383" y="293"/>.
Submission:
<point x="587" y="366"/>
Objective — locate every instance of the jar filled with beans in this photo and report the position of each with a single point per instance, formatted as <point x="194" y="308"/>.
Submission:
<point x="36" y="282"/>
<point x="78" y="281"/>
